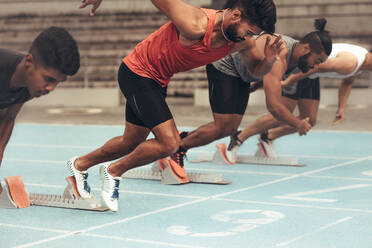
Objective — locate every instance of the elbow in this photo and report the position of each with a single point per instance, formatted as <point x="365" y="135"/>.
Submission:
<point x="274" y="110"/>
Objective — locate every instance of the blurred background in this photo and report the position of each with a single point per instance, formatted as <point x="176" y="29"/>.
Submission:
<point x="120" y="24"/>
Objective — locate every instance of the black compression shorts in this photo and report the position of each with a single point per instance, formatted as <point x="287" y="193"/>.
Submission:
<point x="304" y="89"/>
<point x="145" y="97"/>
<point x="227" y="94"/>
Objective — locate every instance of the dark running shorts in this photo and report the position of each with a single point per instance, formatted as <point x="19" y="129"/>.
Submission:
<point x="304" y="89"/>
<point x="145" y="104"/>
<point x="227" y="94"/>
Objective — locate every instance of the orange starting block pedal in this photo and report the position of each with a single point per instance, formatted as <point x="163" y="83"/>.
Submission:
<point x="14" y="195"/>
<point x="163" y="172"/>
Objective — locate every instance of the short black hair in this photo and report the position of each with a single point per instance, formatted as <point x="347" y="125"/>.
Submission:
<point x="55" y="48"/>
<point x="258" y="12"/>
<point x="319" y="40"/>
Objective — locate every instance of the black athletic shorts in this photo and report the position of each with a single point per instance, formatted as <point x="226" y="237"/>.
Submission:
<point x="304" y="89"/>
<point x="227" y="94"/>
<point x="146" y="104"/>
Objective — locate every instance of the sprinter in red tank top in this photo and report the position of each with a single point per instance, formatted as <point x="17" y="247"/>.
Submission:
<point x="194" y="37"/>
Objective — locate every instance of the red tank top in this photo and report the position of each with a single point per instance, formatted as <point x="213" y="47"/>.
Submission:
<point x="161" y="55"/>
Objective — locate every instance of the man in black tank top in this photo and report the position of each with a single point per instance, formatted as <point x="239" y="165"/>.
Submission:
<point x="53" y="55"/>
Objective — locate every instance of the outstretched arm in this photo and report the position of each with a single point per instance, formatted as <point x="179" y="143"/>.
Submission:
<point x="343" y="95"/>
<point x="7" y="119"/>
<point x="292" y="78"/>
<point x="273" y="92"/>
<point x="190" y="21"/>
<point x="260" y="54"/>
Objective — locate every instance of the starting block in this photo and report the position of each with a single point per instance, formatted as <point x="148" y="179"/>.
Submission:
<point x="219" y="157"/>
<point x="14" y="195"/>
<point x="167" y="176"/>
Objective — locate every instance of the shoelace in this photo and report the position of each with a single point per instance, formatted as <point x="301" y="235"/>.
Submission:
<point x="86" y="186"/>
<point x="179" y="157"/>
<point x="115" y="194"/>
<point x="234" y="141"/>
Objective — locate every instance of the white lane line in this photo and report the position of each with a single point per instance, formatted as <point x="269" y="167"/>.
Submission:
<point x="187" y="204"/>
<point x="33" y="228"/>
<point x="141" y="241"/>
<point x="356" y="210"/>
<point x="217" y="199"/>
<point x="111" y="223"/>
<point x="166" y="244"/>
<point x="315" y="231"/>
<point x="342" y="178"/>
<point x="291" y="177"/>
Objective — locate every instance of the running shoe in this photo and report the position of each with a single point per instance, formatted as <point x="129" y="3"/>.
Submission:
<point x="266" y="146"/>
<point x="81" y="178"/>
<point x="110" y="188"/>
<point x="232" y="149"/>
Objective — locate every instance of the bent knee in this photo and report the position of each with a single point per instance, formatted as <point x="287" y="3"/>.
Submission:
<point x="223" y="130"/>
<point x="171" y="145"/>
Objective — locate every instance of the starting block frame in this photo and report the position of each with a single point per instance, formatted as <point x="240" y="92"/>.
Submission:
<point x="166" y="176"/>
<point x="70" y="199"/>
<point x="258" y="158"/>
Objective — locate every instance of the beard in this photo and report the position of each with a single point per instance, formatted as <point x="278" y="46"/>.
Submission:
<point x="303" y="65"/>
<point x="232" y="33"/>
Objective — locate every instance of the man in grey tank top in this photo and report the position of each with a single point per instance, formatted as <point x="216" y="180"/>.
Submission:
<point x="53" y="55"/>
<point x="229" y="88"/>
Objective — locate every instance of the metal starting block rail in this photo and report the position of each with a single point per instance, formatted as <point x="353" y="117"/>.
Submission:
<point x="258" y="158"/>
<point x="69" y="199"/>
<point x="166" y="176"/>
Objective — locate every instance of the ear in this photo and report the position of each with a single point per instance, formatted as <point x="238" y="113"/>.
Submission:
<point x="236" y="15"/>
<point x="29" y="61"/>
<point x="306" y="48"/>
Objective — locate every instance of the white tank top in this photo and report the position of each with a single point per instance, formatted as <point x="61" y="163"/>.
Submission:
<point x="357" y="51"/>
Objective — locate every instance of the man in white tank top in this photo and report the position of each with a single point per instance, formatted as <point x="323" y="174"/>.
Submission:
<point x="344" y="62"/>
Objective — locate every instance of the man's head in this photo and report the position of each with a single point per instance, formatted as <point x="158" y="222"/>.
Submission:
<point x="316" y="46"/>
<point x="248" y="18"/>
<point x="53" y="56"/>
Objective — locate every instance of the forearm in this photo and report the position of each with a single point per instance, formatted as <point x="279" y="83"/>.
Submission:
<point x="282" y="114"/>
<point x="344" y="93"/>
<point x="6" y="128"/>
<point x="262" y="68"/>
<point x="161" y="4"/>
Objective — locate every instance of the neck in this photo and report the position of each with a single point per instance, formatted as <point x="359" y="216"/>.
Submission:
<point x="18" y="78"/>
<point x="223" y="32"/>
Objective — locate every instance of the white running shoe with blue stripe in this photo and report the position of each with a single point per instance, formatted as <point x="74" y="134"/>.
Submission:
<point x="81" y="178"/>
<point x="110" y="188"/>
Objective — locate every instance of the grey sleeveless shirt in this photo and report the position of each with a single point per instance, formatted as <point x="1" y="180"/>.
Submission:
<point x="233" y="64"/>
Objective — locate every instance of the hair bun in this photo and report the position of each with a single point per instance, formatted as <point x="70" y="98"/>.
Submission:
<point x="320" y="24"/>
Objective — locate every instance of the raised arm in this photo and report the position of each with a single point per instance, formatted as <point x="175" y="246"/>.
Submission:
<point x="273" y="91"/>
<point x="190" y="21"/>
<point x="259" y="55"/>
<point x="343" y="64"/>
<point x="7" y="119"/>
<point x="343" y="95"/>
